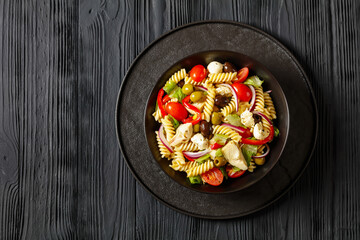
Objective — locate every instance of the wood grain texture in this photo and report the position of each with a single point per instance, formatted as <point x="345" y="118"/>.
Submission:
<point x="61" y="173"/>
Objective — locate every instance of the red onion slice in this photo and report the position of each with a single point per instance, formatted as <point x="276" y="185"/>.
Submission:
<point x="233" y="93"/>
<point x="201" y="88"/>
<point x="265" y="154"/>
<point x="163" y="139"/>
<point x="269" y="91"/>
<point x="195" y="155"/>
<point x="238" y="129"/>
<point x="252" y="102"/>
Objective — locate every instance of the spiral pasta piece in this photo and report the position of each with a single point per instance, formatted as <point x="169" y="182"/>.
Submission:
<point x="157" y="115"/>
<point x="259" y="99"/>
<point x="229" y="108"/>
<point x="266" y="125"/>
<point x="209" y="102"/>
<point x="251" y="166"/>
<point x="270" y="106"/>
<point x="178" y="76"/>
<point x="169" y="128"/>
<point x="184" y="167"/>
<point x="164" y="152"/>
<point x="221" y="77"/>
<point x="178" y="159"/>
<point x="227" y="131"/>
<point x="189" y="80"/>
<point x="195" y="171"/>
<point x="189" y="146"/>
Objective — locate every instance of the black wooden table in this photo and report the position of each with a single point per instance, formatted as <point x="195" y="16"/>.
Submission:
<point x="61" y="172"/>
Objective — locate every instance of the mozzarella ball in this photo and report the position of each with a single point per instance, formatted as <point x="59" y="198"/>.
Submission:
<point x="215" y="67"/>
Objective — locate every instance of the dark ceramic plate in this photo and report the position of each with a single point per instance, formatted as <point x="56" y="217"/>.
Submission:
<point x="163" y="56"/>
<point x="282" y="122"/>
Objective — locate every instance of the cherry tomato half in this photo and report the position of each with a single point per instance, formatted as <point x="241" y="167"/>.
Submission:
<point x="176" y="110"/>
<point x="213" y="177"/>
<point x="242" y="74"/>
<point x="242" y="91"/>
<point x="233" y="174"/>
<point x="198" y="73"/>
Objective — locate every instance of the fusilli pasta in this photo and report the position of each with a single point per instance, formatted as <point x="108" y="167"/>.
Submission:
<point x="226" y="131"/>
<point x="221" y="77"/>
<point x="209" y="102"/>
<point x="169" y="128"/>
<point x="229" y="108"/>
<point x="189" y="146"/>
<point x="270" y="106"/>
<point x="164" y="152"/>
<point x="178" y="76"/>
<point x="178" y="159"/>
<point x="184" y="167"/>
<point x="189" y="80"/>
<point x="202" y="168"/>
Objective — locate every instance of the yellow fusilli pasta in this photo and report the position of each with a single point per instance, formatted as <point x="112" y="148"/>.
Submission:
<point x="169" y="128"/>
<point x="184" y="167"/>
<point x="189" y="146"/>
<point x="259" y="100"/>
<point x="226" y="131"/>
<point x="195" y="171"/>
<point x="157" y="115"/>
<point x="164" y="152"/>
<point x="269" y="106"/>
<point x="178" y="76"/>
<point x="221" y="77"/>
<point x="189" y="80"/>
<point x="178" y="159"/>
<point x="229" y="108"/>
<point x="209" y="102"/>
<point x="251" y="166"/>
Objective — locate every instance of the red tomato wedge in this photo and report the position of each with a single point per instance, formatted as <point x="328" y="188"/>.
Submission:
<point x="176" y="110"/>
<point x="213" y="177"/>
<point x="242" y="74"/>
<point x="233" y="174"/>
<point x="242" y="91"/>
<point x="198" y="73"/>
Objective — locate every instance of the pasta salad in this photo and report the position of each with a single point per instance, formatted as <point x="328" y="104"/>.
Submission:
<point x="215" y="122"/>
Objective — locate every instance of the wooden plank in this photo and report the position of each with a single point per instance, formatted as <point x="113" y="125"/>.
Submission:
<point x="346" y="74"/>
<point x="106" y="197"/>
<point x="38" y="142"/>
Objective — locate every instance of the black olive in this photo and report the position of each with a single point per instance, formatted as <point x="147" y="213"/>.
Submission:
<point x="229" y="67"/>
<point x="221" y="101"/>
<point x="257" y="118"/>
<point x="205" y="128"/>
<point x="181" y="83"/>
<point x="216" y="109"/>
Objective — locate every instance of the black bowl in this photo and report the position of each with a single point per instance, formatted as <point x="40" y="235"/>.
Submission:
<point x="282" y="121"/>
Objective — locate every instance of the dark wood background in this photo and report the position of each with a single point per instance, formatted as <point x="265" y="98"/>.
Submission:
<point x="62" y="175"/>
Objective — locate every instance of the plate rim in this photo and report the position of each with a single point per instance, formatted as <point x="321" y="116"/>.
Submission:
<point x="290" y="55"/>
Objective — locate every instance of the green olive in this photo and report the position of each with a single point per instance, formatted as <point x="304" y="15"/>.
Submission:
<point x="219" y="161"/>
<point x="259" y="161"/>
<point x="216" y="118"/>
<point x="196" y="96"/>
<point x="197" y="128"/>
<point x="187" y="89"/>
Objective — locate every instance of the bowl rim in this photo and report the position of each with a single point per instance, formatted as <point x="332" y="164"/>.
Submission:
<point x="290" y="55"/>
<point x="286" y="134"/>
